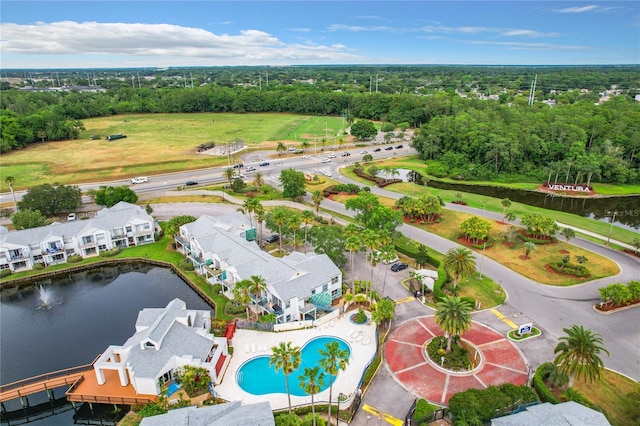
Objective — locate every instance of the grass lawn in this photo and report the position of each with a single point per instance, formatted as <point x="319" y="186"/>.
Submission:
<point x="611" y="393"/>
<point x="156" y="143"/>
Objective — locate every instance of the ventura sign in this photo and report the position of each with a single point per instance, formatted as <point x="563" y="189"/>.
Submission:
<point x="571" y="188"/>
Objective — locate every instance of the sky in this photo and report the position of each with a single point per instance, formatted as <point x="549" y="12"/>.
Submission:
<point x="151" y="33"/>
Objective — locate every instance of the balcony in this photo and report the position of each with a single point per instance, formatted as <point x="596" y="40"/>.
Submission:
<point x="87" y="244"/>
<point x="18" y="256"/>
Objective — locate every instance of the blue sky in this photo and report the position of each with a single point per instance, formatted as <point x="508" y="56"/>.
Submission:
<point x="98" y="34"/>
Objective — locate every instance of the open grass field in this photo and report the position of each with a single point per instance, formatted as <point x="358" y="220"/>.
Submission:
<point x="157" y="143"/>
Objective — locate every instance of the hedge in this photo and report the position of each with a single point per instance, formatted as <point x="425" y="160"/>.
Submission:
<point x="541" y="388"/>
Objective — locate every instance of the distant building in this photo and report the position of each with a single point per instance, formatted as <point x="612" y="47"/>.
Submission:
<point x="123" y="225"/>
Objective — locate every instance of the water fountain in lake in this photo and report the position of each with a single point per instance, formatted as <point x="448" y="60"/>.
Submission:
<point x="45" y="298"/>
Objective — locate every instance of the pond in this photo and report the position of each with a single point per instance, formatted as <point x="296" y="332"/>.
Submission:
<point x="84" y="314"/>
<point x="626" y="207"/>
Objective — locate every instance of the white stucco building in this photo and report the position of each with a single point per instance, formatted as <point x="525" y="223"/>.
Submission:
<point x="165" y="340"/>
<point x="299" y="286"/>
<point x="123" y="225"/>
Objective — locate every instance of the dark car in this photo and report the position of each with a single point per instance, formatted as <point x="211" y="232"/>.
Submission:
<point x="272" y="238"/>
<point x="191" y="183"/>
<point x="389" y="148"/>
<point x="377" y="150"/>
<point x="397" y="267"/>
<point x="399" y="146"/>
<point x="264" y="163"/>
<point x="345" y="154"/>
<point x="237" y="166"/>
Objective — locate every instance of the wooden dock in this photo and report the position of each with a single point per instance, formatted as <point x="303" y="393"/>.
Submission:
<point x="42" y="383"/>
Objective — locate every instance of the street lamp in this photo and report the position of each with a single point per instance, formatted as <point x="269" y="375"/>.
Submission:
<point x="613" y="218"/>
<point x="341" y="397"/>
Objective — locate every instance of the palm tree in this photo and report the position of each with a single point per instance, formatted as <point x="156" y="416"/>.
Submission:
<point x="332" y="360"/>
<point x="311" y="382"/>
<point x="578" y="354"/>
<point x="258" y="180"/>
<point x="229" y="173"/>
<point x="317" y="197"/>
<point x="459" y="263"/>
<point x="281" y="148"/>
<point x="304" y="145"/>
<point x="260" y="215"/>
<point x="242" y="293"/>
<point x="280" y="217"/>
<point x="528" y="248"/>
<point x="257" y="285"/>
<point x="286" y="358"/>
<point x="294" y="224"/>
<point x="353" y="244"/>
<point x="453" y="315"/>
<point x="307" y="218"/>
<point x="249" y="206"/>
<point x="10" y="180"/>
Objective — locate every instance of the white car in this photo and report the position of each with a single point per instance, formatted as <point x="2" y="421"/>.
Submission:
<point x="250" y="169"/>
<point x="325" y="160"/>
<point x="72" y="217"/>
<point x="364" y="152"/>
<point x="306" y="157"/>
<point x="331" y="156"/>
<point x="327" y="173"/>
<point x="139" y="179"/>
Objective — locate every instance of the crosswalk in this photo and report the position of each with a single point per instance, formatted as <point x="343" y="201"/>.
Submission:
<point x="383" y="416"/>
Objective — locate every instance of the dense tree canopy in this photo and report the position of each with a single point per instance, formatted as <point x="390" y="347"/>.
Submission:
<point x="293" y="183"/>
<point x="52" y="200"/>
<point x="110" y="196"/>
<point x="27" y="219"/>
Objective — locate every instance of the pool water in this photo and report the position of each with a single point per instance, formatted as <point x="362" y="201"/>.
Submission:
<point x="258" y="378"/>
<point x="173" y="387"/>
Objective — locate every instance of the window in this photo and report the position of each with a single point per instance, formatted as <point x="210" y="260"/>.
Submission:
<point x="102" y="247"/>
<point x="129" y="229"/>
<point x="146" y="226"/>
<point x="37" y="258"/>
<point x="335" y="280"/>
<point x="58" y="257"/>
<point x="100" y="237"/>
<point x="313" y="291"/>
<point x="71" y="252"/>
<point x="87" y="239"/>
<point x="4" y="266"/>
<point x="334" y="293"/>
<point x="325" y="287"/>
<point x="287" y="304"/>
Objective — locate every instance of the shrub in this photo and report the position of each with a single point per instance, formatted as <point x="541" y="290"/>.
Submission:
<point x="234" y="308"/>
<point x="74" y="258"/>
<point x="360" y="317"/>
<point x="470" y="300"/>
<point x="423" y="409"/>
<point x="458" y="359"/>
<point x="110" y="253"/>
<point x="186" y="265"/>
<point x="195" y="380"/>
<point x="308" y="420"/>
<point x="541" y="388"/>
<point x="287" y="420"/>
<point x="38" y="266"/>
<point x="490" y="402"/>
<point x="570" y="269"/>
<point x="5" y="273"/>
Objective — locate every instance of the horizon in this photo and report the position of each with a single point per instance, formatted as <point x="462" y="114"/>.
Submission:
<point x="54" y="34"/>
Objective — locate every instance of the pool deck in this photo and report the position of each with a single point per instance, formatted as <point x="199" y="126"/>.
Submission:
<point x="346" y="382"/>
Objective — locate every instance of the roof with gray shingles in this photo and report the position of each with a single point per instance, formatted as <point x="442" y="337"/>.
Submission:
<point x="173" y="337"/>
<point x="292" y="276"/>
<point x="230" y="413"/>
<point x="107" y="219"/>
<point x="565" y="414"/>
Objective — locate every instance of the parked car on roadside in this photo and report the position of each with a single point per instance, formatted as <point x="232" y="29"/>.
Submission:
<point x="272" y="238"/>
<point x="250" y="169"/>
<point x="72" y="217"/>
<point x="191" y="183"/>
<point x="389" y="148"/>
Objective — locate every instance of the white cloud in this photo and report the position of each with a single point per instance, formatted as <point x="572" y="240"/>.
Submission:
<point x="170" y="42"/>
<point x="578" y="9"/>
<point x="530" y="46"/>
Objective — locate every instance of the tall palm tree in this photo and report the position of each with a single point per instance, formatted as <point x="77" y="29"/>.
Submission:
<point x="280" y="217"/>
<point x="250" y="205"/>
<point x="317" y="197"/>
<point x="307" y="218"/>
<point x="304" y="145"/>
<point x="10" y="180"/>
<point x="459" y="263"/>
<point x="578" y="354"/>
<point x="260" y="215"/>
<point x="281" y="148"/>
<point x="229" y="173"/>
<point x="312" y="381"/>
<point x="453" y="315"/>
<point x="352" y="243"/>
<point x="242" y="293"/>
<point x="286" y="358"/>
<point x="295" y="221"/>
<point x="258" y="180"/>
<point x="257" y="285"/>
<point x="333" y="360"/>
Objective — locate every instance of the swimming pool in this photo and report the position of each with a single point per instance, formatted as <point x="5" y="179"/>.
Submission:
<point x="258" y="378"/>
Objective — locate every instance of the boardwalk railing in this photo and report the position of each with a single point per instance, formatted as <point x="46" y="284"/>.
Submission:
<point x="42" y="382"/>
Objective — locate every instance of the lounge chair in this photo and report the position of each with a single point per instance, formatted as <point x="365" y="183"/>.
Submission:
<point x="253" y="348"/>
<point x="366" y="341"/>
<point x="359" y="337"/>
<point x="247" y="348"/>
<point x="331" y="323"/>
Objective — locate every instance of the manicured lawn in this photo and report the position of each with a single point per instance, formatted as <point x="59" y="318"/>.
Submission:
<point x="611" y="393"/>
<point x="156" y="143"/>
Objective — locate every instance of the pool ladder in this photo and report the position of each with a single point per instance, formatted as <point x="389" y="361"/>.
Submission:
<point x="240" y="377"/>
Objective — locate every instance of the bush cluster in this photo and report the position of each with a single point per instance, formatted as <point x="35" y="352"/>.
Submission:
<point x="186" y="265"/>
<point x="110" y="253"/>
<point x="458" y="359"/>
<point x="74" y="258"/>
<point x="570" y="269"/>
<point x="234" y="308"/>
<point x="491" y="402"/>
<point x="38" y="266"/>
<point x="5" y="273"/>
<point x="541" y="388"/>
